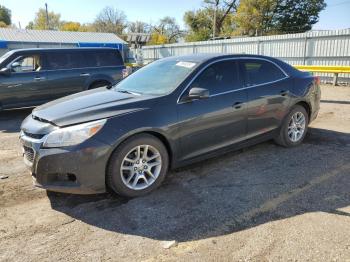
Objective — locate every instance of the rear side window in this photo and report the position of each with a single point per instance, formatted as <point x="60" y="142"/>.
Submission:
<point x="59" y="60"/>
<point x="218" y="78"/>
<point x="258" y="72"/>
<point x="83" y="59"/>
<point x="108" y="58"/>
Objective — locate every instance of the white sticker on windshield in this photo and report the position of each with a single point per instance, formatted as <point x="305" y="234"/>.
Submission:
<point x="186" y="64"/>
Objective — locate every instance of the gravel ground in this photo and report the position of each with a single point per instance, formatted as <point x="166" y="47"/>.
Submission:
<point x="264" y="203"/>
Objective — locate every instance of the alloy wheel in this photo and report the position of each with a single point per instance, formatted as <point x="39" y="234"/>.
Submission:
<point x="141" y="167"/>
<point x="296" y="127"/>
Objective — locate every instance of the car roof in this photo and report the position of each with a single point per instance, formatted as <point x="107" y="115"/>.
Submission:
<point x="62" y="49"/>
<point x="201" y="58"/>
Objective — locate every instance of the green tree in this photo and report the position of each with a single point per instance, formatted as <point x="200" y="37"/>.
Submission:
<point x="200" y="25"/>
<point x="5" y="15"/>
<point x="40" y="21"/>
<point x="263" y="17"/>
<point x="214" y="19"/>
<point x="255" y="17"/>
<point x="297" y="16"/>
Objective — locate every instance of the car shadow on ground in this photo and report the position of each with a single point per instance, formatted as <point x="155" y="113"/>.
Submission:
<point x="336" y="102"/>
<point x="10" y="121"/>
<point x="233" y="192"/>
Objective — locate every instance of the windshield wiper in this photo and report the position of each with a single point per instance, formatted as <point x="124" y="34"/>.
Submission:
<point x="127" y="92"/>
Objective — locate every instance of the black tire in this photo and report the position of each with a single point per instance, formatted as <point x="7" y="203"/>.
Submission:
<point x="283" y="139"/>
<point x="98" y="84"/>
<point x="114" y="176"/>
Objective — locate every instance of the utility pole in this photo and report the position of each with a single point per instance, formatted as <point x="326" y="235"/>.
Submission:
<point x="215" y="4"/>
<point x="214" y="22"/>
<point x="47" y="17"/>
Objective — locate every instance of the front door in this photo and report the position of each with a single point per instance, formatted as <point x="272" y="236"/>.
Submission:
<point x="215" y="122"/>
<point x="26" y="84"/>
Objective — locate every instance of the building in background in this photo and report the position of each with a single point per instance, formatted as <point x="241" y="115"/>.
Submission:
<point x="136" y="41"/>
<point x="21" y="38"/>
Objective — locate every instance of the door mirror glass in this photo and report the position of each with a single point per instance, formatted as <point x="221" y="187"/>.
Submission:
<point x="198" y="93"/>
<point x="15" y="65"/>
<point x="5" y="71"/>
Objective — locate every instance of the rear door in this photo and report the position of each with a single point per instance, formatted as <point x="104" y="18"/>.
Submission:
<point x="26" y="84"/>
<point x="109" y="65"/>
<point x="66" y="73"/>
<point x="268" y="95"/>
<point x="218" y="121"/>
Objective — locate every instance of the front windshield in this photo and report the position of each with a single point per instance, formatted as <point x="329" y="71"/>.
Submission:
<point x="158" y="78"/>
<point x="4" y="57"/>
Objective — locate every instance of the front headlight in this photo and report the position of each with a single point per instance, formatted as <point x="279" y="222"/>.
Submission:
<point x="73" y="135"/>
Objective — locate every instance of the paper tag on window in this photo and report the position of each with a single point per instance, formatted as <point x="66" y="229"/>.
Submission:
<point x="186" y="64"/>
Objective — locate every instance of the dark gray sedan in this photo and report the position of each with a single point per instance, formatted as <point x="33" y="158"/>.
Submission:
<point x="170" y="113"/>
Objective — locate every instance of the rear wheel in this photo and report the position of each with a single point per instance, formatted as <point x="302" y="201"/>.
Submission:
<point x="137" y="166"/>
<point x="294" y="127"/>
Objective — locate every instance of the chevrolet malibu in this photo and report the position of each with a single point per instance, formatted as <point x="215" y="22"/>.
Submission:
<point x="168" y="114"/>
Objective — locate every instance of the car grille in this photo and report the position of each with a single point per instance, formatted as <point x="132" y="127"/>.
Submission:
<point x="35" y="136"/>
<point x="28" y="153"/>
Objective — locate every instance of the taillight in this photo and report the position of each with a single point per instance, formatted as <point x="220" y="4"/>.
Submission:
<point x="317" y="80"/>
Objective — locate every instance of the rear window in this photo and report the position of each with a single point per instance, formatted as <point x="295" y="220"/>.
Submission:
<point x="83" y="59"/>
<point x="258" y="72"/>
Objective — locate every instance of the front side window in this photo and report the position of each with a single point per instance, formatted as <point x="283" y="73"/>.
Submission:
<point x="258" y="72"/>
<point x="218" y="78"/>
<point x="28" y="63"/>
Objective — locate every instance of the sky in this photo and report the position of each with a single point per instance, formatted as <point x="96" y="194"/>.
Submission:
<point x="335" y="16"/>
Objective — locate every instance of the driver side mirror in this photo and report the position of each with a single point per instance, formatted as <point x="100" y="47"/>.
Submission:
<point x="15" y="64"/>
<point x="5" y="71"/>
<point x="198" y="93"/>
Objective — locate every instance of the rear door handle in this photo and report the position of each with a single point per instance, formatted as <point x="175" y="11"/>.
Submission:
<point x="237" y="105"/>
<point x="284" y="92"/>
<point x="84" y="74"/>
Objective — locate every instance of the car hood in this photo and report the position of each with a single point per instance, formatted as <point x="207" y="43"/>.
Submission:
<point x="88" y="106"/>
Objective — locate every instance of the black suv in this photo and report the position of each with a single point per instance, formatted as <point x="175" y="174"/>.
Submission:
<point x="30" y="77"/>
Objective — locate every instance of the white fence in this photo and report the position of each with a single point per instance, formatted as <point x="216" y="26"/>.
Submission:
<point x="311" y="48"/>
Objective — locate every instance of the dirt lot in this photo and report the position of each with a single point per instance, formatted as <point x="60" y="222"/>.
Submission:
<point x="263" y="203"/>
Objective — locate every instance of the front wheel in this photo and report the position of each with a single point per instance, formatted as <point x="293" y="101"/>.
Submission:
<point x="137" y="166"/>
<point x="294" y="127"/>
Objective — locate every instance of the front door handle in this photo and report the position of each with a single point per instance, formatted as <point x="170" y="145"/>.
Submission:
<point x="284" y="92"/>
<point x="38" y="78"/>
<point x="237" y="105"/>
<point x="84" y="74"/>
